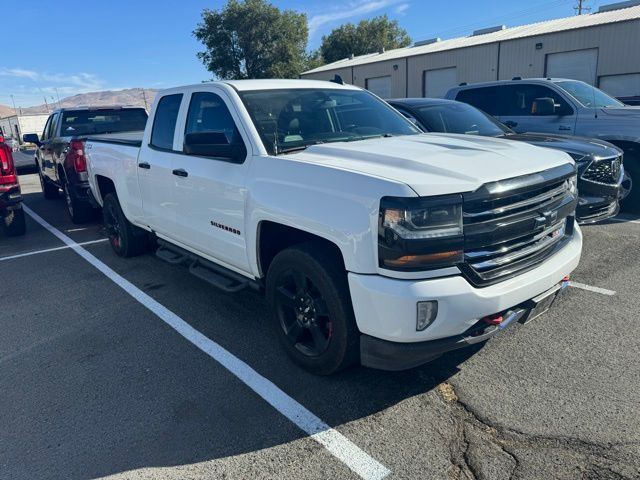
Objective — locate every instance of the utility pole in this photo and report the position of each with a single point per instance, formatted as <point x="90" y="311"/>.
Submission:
<point x="13" y="100"/>
<point x="581" y="7"/>
<point x="46" y="104"/>
<point x="144" y="96"/>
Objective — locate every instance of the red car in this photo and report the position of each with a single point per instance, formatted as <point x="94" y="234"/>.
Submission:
<point x="11" y="212"/>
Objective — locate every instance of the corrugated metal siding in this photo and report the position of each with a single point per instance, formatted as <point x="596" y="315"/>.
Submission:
<point x="536" y="29"/>
<point x="398" y="77"/>
<point x="618" y="45"/>
<point x="476" y="64"/>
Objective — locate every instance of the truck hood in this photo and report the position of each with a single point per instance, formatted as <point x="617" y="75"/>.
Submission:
<point x="436" y="164"/>
<point x="628" y="111"/>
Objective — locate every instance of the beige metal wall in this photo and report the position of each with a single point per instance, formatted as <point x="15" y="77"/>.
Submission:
<point x="473" y="64"/>
<point x="394" y="68"/>
<point x="618" y="44"/>
<point x="618" y="47"/>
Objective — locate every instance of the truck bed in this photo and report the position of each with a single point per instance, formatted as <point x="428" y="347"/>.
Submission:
<point x="121" y="138"/>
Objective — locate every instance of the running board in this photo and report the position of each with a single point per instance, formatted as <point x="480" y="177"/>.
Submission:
<point x="216" y="275"/>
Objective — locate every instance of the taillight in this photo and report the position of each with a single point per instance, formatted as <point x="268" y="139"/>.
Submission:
<point x="7" y="169"/>
<point x="76" y="156"/>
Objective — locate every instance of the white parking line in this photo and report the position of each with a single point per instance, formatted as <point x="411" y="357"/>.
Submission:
<point x="582" y="286"/>
<point x="337" y="444"/>
<point x="54" y="249"/>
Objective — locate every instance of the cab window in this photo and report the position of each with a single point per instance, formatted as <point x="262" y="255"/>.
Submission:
<point x="164" y="122"/>
<point x="517" y="100"/>
<point x="209" y="113"/>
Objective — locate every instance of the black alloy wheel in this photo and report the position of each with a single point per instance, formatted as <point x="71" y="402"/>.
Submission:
<point x="303" y="313"/>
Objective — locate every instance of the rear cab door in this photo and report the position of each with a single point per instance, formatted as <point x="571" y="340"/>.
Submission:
<point x="45" y="150"/>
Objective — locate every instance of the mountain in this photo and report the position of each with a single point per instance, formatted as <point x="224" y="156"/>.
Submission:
<point x="5" y="111"/>
<point x="131" y="96"/>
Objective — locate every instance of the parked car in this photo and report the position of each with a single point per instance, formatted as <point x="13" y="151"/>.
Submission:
<point x="60" y="155"/>
<point x="11" y="142"/>
<point x="373" y="241"/>
<point x="567" y="107"/>
<point x="11" y="212"/>
<point x="600" y="169"/>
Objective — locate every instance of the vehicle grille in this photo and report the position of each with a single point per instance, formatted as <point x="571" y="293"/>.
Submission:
<point x="513" y="225"/>
<point x="605" y="171"/>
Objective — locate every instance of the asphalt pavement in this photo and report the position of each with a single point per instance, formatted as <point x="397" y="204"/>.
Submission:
<point x="94" y="383"/>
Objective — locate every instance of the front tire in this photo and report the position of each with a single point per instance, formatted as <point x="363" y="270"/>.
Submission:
<point x="126" y="239"/>
<point x="14" y="223"/>
<point x="79" y="211"/>
<point x="49" y="190"/>
<point x="312" y="314"/>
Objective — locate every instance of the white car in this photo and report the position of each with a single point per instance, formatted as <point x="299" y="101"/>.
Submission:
<point x="373" y="242"/>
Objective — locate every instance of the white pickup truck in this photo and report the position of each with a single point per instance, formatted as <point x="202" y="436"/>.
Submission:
<point x="372" y="241"/>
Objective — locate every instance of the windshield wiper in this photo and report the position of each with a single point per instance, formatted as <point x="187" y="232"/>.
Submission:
<point x="297" y="148"/>
<point x="367" y="137"/>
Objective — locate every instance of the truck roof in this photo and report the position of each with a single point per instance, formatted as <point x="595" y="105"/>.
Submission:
<point x="271" y="84"/>
<point x="101" y="107"/>
<point x="511" y="81"/>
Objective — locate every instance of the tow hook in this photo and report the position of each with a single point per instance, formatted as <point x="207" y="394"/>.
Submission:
<point x="565" y="282"/>
<point x="495" y="319"/>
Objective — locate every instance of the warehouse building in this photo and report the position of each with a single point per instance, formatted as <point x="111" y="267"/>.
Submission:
<point x="18" y="125"/>
<point x="602" y="48"/>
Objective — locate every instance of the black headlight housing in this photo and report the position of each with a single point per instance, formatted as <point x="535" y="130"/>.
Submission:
<point x="420" y="233"/>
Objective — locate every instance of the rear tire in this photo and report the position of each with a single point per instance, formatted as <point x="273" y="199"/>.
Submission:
<point x="14" y="223"/>
<point x="49" y="190"/>
<point x="126" y="239"/>
<point x="312" y="314"/>
<point x="79" y="211"/>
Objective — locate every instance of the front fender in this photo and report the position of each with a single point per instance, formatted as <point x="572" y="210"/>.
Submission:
<point x="338" y="205"/>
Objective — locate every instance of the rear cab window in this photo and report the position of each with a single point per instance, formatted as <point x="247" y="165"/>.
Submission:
<point x="101" y="121"/>
<point x="164" y="121"/>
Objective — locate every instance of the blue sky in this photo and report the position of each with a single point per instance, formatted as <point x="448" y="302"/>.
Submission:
<point x="76" y="46"/>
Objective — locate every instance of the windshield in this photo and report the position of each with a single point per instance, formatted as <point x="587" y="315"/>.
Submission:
<point x="90" y="122"/>
<point x="587" y="95"/>
<point x="459" y="118"/>
<point x="292" y="119"/>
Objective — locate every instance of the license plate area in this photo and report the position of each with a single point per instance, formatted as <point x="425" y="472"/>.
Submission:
<point x="541" y="304"/>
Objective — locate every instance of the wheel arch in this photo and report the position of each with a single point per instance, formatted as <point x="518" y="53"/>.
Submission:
<point x="105" y="186"/>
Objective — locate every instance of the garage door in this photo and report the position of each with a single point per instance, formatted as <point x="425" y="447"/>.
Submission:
<point x="621" y="85"/>
<point x="577" y="65"/>
<point x="381" y="86"/>
<point x="436" y="83"/>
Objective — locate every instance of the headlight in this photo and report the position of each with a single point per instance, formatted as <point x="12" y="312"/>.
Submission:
<point x="420" y="233"/>
<point x="573" y="184"/>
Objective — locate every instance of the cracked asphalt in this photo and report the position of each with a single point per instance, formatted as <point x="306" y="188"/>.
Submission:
<point x="94" y="385"/>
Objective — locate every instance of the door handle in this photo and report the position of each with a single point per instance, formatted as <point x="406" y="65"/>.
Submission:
<point x="511" y="124"/>
<point x="564" y="128"/>
<point x="144" y="165"/>
<point x="180" y="172"/>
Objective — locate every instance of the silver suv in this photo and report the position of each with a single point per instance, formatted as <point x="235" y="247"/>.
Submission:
<point x="568" y="107"/>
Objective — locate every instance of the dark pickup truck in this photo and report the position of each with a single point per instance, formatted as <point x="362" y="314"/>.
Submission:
<point x="60" y="155"/>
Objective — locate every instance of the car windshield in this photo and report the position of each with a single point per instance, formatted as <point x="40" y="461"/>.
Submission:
<point x="90" y="122"/>
<point x="292" y="119"/>
<point x="459" y="118"/>
<point x="587" y="95"/>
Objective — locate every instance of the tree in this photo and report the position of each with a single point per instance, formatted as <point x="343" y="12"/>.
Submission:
<point x="253" y="39"/>
<point x="368" y="36"/>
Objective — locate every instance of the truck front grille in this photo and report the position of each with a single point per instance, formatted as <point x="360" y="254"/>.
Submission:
<point x="606" y="171"/>
<point x="511" y="226"/>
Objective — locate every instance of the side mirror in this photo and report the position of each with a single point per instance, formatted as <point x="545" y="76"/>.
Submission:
<point x="31" y="138"/>
<point x="543" y="106"/>
<point x="214" y="144"/>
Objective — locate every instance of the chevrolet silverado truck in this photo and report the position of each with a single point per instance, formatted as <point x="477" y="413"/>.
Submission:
<point x="372" y="241"/>
<point x="567" y="107"/>
<point x="60" y="158"/>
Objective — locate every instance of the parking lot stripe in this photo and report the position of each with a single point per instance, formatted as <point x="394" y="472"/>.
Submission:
<point x="624" y="220"/>
<point x="54" y="249"/>
<point x="582" y="286"/>
<point x="337" y="444"/>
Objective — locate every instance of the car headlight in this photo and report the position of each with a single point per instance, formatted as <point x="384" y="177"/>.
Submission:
<point x="573" y="184"/>
<point x="420" y="233"/>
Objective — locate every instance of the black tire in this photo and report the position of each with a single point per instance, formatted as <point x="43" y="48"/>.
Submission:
<point x="126" y="239"/>
<point x="49" y="190"/>
<point x="631" y="203"/>
<point x="79" y="211"/>
<point x="312" y="314"/>
<point x="14" y="223"/>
